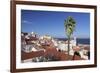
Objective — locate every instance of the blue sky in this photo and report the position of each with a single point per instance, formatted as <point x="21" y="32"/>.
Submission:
<point x="52" y="23"/>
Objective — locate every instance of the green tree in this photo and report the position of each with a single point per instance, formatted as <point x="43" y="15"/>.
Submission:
<point x="69" y="24"/>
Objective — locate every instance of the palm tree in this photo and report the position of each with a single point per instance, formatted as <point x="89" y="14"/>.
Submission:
<point x="69" y="29"/>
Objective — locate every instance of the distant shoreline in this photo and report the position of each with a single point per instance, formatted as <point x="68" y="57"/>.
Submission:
<point x="78" y="40"/>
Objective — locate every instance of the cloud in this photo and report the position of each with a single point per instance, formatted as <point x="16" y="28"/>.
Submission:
<point x="26" y="22"/>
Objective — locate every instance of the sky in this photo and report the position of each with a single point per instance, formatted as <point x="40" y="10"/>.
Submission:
<point x="52" y="23"/>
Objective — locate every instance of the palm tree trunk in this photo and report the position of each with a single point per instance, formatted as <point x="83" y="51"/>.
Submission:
<point x="68" y="46"/>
